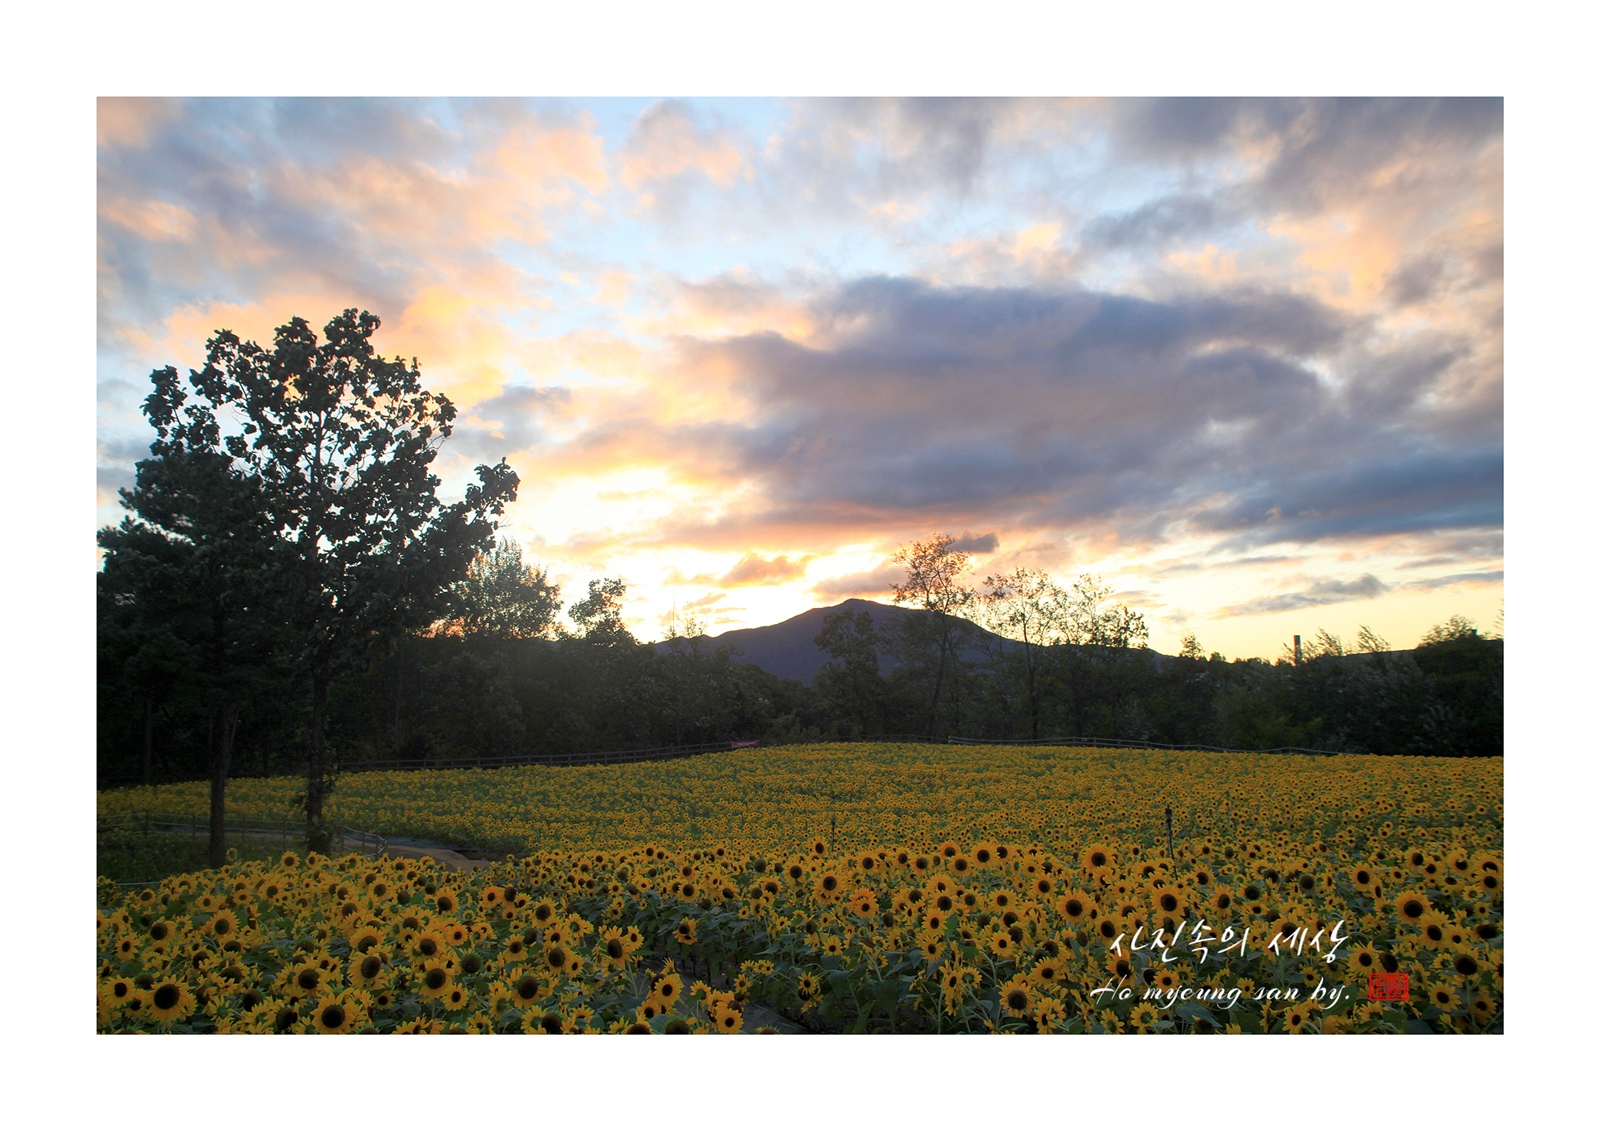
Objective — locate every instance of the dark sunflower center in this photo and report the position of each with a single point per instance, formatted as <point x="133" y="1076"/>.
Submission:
<point x="332" y="1016"/>
<point x="166" y="997"/>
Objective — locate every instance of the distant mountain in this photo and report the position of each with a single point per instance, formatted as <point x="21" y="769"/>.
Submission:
<point x="788" y="649"/>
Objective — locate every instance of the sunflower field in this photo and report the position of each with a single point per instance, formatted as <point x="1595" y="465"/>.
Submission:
<point x="900" y="888"/>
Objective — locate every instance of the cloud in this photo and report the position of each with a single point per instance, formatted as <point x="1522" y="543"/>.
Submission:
<point x="667" y="147"/>
<point x="1485" y="577"/>
<point x="753" y="569"/>
<point x="1153" y="224"/>
<point x="977" y="543"/>
<point x="129" y="122"/>
<point x="1324" y="591"/>
<point x="876" y="582"/>
<point x="508" y="422"/>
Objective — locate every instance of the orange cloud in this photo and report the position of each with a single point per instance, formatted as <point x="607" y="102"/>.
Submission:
<point x="151" y="219"/>
<point x="129" y="122"/>
<point x="753" y="569"/>
<point x="667" y="144"/>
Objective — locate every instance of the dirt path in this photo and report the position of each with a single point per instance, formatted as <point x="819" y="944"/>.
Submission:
<point x="445" y="856"/>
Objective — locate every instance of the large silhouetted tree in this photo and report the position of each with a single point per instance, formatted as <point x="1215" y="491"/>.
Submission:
<point x="338" y="443"/>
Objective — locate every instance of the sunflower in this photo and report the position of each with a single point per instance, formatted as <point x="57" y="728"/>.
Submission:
<point x="669" y="988"/>
<point x="1144" y="1017"/>
<point x="549" y="1021"/>
<point x="364" y="938"/>
<point x="864" y="902"/>
<point x="430" y="944"/>
<point x="344" y="1013"/>
<point x="1017" y="996"/>
<point x="613" y="948"/>
<point x="685" y="933"/>
<point x="557" y="958"/>
<point x="807" y="987"/>
<point x="1296" y="1019"/>
<point x="1097" y="858"/>
<point x="303" y="979"/>
<point x="1000" y="944"/>
<point x="367" y="968"/>
<point x="170" y="1001"/>
<point x="1073" y="906"/>
<point x="827" y="887"/>
<point x="1411" y="906"/>
<point x="224" y="924"/>
<point x="1443" y="995"/>
<point x="1048" y="1014"/>
<point x="435" y="980"/>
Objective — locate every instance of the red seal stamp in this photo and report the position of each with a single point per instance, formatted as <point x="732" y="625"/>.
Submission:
<point x="1388" y="987"/>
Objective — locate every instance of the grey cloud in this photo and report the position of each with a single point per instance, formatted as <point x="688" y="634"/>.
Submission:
<point x="1069" y="409"/>
<point x="1415" y="281"/>
<point x="870" y="583"/>
<point x="1426" y="491"/>
<point x="1320" y="147"/>
<point x="977" y="543"/>
<point x="1153" y="224"/>
<point x="1323" y="592"/>
<point x="507" y="422"/>
<point x="124" y="449"/>
<point x="1208" y="566"/>
<point x="1429" y="584"/>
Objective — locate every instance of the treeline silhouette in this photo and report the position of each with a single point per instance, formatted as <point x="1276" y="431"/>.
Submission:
<point x="452" y="694"/>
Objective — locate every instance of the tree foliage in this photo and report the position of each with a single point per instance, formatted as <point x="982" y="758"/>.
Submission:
<point x="337" y="444"/>
<point x="501" y="598"/>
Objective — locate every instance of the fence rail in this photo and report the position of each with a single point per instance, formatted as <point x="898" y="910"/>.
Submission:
<point x="1137" y="744"/>
<point x="596" y="758"/>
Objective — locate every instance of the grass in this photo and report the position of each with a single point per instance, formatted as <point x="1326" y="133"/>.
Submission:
<point x="129" y="855"/>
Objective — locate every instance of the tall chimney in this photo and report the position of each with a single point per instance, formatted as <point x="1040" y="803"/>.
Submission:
<point x="1297" y="650"/>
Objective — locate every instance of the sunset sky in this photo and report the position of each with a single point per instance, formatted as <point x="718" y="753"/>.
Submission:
<point x="1241" y="358"/>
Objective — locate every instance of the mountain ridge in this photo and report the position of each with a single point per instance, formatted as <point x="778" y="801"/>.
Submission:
<point x="788" y="648"/>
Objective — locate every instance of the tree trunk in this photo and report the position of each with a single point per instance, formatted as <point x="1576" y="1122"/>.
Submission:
<point x="149" y="714"/>
<point x="317" y="835"/>
<point x="221" y="753"/>
<point x="1033" y="694"/>
<point x="938" y="684"/>
<point x="399" y="672"/>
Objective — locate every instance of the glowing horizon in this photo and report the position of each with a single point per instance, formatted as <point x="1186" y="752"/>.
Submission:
<point x="1241" y="358"/>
